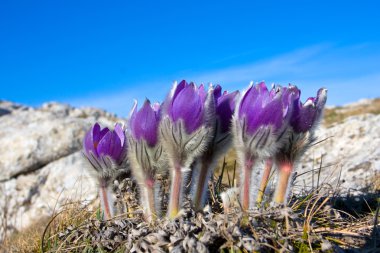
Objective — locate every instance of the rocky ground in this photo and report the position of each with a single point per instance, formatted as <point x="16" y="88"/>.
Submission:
<point x="41" y="167"/>
<point x="348" y="155"/>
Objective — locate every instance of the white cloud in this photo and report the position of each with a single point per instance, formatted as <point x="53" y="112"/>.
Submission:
<point x="276" y="66"/>
<point x="350" y="73"/>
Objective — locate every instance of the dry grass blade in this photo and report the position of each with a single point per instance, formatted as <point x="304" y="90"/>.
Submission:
<point x="311" y="220"/>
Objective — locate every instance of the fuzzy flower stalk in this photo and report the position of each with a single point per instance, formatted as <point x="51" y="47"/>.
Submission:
<point x="289" y="94"/>
<point x="145" y="154"/>
<point x="305" y="117"/>
<point x="219" y="144"/>
<point x="259" y="124"/>
<point x="184" y="134"/>
<point x="105" y="150"/>
<point x="268" y="165"/>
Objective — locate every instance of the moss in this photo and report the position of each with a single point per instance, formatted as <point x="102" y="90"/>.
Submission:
<point x="301" y="247"/>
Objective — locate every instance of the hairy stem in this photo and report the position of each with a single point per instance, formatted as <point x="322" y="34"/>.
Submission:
<point x="246" y="184"/>
<point x="265" y="179"/>
<point x="175" y="192"/>
<point x="147" y="200"/>
<point x="286" y="169"/>
<point x="106" y="200"/>
<point x="202" y="173"/>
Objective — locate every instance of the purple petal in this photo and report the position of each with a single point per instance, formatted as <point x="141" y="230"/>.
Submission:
<point x="179" y="88"/>
<point x="291" y="94"/>
<point x="144" y="124"/>
<point x="268" y="115"/>
<point x="202" y="93"/>
<point x="117" y="147"/>
<point x="110" y="145"/>
<point x="105" y="145"/>
<point x="272" y="113"/>
<point x="169" y="100"/>
<point x="120" y="133"/>
<point x="88" y="144"/>
<point x="188" y="107"/>
<point x="132" y="117"/>
<point x="273" y="92"/>
<point x="262" y="87"/>
<point x="217" y="92"/>
<point x="156" y="107"/>
<point x="252" y="101"/>
<point x="290" y="97"/>
<point x="96" y="132"/>
<point x="305" y="115"/>
<point x="225" y="109"/>
<point x="248" y="101"/>
<point x="99" y="136"/>
<point x="261" y="108"/>
<point x="305" y="118"/>
<point x="93" y="137"/>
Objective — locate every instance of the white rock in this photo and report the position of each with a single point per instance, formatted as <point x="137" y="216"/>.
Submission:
<point x="7" y="107"/>
<point x="32" y="138"/>
<point x="41" y="165"/>
<point x="31" y="197"/>
<point x="351" y="151"/>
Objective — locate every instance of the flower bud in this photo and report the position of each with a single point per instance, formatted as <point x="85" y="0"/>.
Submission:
<point x="105" y="149"/>
<point x="185" y="132"/>
<point x="144" y="123"/>
<point x="260" y="123"/>
<point x="187" y="104"/>
<point x="146" y="154"/>
<point x="203" y="168"/>
<point x="303" y="121"/>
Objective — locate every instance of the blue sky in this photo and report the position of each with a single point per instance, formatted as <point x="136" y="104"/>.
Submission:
<point x="107" y="53"/>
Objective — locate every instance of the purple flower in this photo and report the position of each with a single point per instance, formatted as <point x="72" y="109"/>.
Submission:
<point x="99" y="143"/>
<point x="222" y="110"/>
<point x="259" y="107"/>
<point x="185" y="131"/>
<point x="225" y="107"/>
<point x="306" y="116"/>
<point x="260" y="126"/>
<point x="187" y="103"/>
<point x="105" y="149"/>
<point x="145" y="157"/>
<point x="144" y="122"/>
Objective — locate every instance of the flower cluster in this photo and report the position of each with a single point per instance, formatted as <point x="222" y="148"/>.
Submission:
<point x="186" y="135"/>
<point x="274" y="127"/>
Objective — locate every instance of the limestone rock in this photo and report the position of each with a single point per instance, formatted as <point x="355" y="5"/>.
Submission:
<point x="41" y="165"/>
<point x="350" y="150"/>
<point x="31" y="197"/>
<point x="32" y="138"/>
<point x="7" y="107"/>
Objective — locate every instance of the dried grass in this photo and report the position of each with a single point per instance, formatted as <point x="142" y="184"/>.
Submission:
<point x="27" y="240"/>
<point x="312" y="222"/>
<point x="339" y="114"/>
<point x="43" y="233"/>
